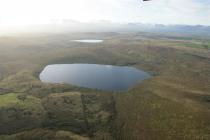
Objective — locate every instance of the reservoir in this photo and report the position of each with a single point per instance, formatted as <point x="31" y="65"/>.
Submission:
<point x="103" y="77"/>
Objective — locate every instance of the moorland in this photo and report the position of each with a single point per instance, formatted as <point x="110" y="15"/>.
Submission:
<point x="174" y="104"/>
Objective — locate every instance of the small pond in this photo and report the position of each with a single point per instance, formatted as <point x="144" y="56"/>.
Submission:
<point x="103" y="77"/>
<point x="88" y="41"/>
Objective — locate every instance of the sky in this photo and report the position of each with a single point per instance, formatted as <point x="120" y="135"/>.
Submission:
<point x="26" y="12"/>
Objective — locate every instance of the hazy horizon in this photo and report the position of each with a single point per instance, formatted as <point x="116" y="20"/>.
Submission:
<point x="69" y="26"/>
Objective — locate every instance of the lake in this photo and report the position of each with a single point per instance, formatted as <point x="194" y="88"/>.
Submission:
<point x="89" y="41"/>
<point x="103" y="77"/>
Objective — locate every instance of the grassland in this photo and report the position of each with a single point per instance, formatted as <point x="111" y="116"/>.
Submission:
<point x="173" y="104"/>
<point x="13" y="99"/>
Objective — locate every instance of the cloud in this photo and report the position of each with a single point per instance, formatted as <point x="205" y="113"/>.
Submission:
<point x="155" y="11"/>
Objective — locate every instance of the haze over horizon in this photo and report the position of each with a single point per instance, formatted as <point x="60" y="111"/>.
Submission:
<point x="37" y="12"/>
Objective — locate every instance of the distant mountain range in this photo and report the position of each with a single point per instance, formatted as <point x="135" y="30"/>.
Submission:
<point x="106" y="26"/>
<point x="179" y="29"/>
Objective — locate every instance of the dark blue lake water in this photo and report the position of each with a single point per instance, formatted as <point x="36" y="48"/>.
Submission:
<point x="103" y="77"/>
